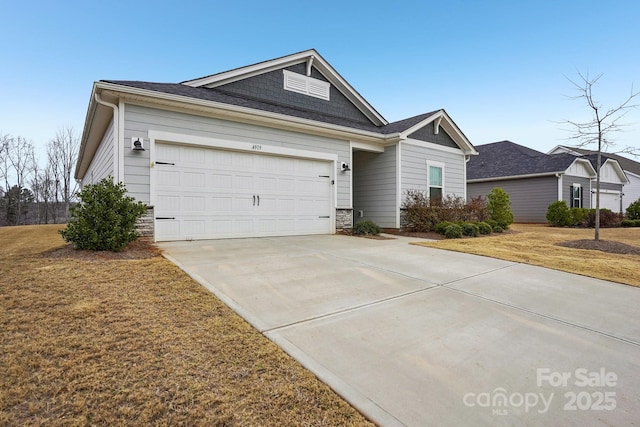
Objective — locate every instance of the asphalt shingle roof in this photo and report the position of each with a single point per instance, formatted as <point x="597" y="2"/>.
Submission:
<point x="506" y="158"/>
<point x="224" y="97"/>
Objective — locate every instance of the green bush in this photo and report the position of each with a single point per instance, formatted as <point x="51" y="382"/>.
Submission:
<point x="637" y="222"/>
<point x="633" y="210"/>
<point x="442" y="226"/>
<point x="470" y="229"/>
<point x="366" y="228"/>
<point x="484" y="228"/>
<point x="498" y="229"/>
<point x="628" y="223"/>
<point x="499" y="205"/>
<point x="454" y="231"/>
<point x="559" y="215"/>
<point x="105" y="219"/>
<point x="580" y="216"/>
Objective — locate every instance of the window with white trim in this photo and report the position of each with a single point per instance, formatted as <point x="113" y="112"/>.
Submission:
<point x="576" y="196"/>
<point x="435" y="180"/>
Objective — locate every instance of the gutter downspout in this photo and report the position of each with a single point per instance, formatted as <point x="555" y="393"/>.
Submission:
<point x="116" y="136"/>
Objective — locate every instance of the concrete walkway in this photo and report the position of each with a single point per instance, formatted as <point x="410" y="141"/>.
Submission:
<point x="413" y="336"/>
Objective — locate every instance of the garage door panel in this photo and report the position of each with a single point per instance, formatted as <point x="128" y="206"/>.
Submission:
<point x="193" y="179"/>
<point x="221" y="204"/>
<point x="168" y="177"/>
<point x="219" y="181"/>
<point x="194" y="203"/>
<point x="214" y="193"/>
<point x="243" y="182"/>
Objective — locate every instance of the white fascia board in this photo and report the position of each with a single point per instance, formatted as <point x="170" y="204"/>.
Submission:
<point x="619" y="171"/>
<point x="91" y="110"/>
<point x="563" y="149"/>
<point x="448" y="124"/>
<point x="143" y="95"/>
<point x="250" y="70"/>
<point x="433" y="146"/>
<point x="635" y="175"/>
<point x="318" y="62"/>
<point x="504" y="178"/>
<point x="170" y="137"/>
<point x="375" y="148"/>
<point x="586" y="163"/>
<point x="90" y="141"/>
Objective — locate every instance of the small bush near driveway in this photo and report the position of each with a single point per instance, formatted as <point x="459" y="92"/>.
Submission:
<point x="366" y="228"/>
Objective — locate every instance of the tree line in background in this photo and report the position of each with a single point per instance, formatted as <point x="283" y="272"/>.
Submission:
<point x="32" y="192"/>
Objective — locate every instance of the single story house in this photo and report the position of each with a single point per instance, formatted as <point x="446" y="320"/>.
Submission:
<point x="534" y="179"/>
<point x="631" y="168"/>
<point x="281" y="147"/>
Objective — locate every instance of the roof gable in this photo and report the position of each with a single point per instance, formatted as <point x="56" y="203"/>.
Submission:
<point x="435" y="127"/>
<point x="309" y="61"/>
<point x="269" y="87"/>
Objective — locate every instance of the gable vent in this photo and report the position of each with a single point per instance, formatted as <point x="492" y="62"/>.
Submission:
<point x="306" y="85"/>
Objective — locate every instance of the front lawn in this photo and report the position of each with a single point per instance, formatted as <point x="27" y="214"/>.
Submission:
<point x="538" y="245"/>
<point x="129" y="339"/>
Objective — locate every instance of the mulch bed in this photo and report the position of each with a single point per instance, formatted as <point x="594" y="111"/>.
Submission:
<point x="142" y="248"/>
<point x="603" y="245"/>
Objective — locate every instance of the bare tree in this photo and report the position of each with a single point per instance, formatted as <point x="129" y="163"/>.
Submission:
<point x="36" y="186"/>
<point x="599" y="129"/>
<point x="62" y="152"/>
<point x="5" y="140"/>
<point x="20" y="154"/>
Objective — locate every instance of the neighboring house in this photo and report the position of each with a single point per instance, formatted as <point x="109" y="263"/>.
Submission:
<point x="282" y="147"/>
<point x="534" y="179"/>
<point x="631" y="168"/>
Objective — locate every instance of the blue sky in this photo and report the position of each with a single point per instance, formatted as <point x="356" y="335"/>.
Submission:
<point x="499" y="68"/>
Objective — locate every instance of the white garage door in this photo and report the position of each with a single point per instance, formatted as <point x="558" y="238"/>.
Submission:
<point x="204" y="193"/>
<point x="609" y="201"/>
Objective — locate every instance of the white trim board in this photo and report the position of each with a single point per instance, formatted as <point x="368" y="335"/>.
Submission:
<point x="171" y="137"/>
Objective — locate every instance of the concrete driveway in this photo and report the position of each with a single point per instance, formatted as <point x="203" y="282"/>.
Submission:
<point x="416" y="336"/>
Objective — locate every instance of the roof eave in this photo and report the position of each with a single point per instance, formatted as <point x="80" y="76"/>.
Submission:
<point x="525" y="176"/>
<point x="248" y="114"/>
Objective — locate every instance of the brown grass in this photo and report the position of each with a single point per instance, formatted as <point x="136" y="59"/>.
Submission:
<point x="538" y="245"/>
<point x="129" y="339"/>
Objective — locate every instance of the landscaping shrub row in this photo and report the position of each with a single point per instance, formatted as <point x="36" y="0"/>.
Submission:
<point x="423" y="214"/>
<point x="560" y="215"/>
<point x="455" y="230"/>
<point x="630" y="223"/>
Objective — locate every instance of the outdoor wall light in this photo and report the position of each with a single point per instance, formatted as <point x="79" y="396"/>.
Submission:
<point x="344" y="167"/>
<point x="136" y="144"/>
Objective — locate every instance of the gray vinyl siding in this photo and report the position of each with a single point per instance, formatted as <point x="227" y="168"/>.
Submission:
<point x="374" y="187"/>
<point x="414" y="169"/>
<point x="427" y="134"/>
<point x="529" y="197"/>
<point x="607" y="186"/>
<point x="568" y="181"/>
<point x="140" y="119"/>
<point x="102" y="163"/>
<point x="631" y="191"/>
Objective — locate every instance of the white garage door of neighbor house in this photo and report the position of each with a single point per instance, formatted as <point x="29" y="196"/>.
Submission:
<point x="204" y="193"/>
<point x="609" y="201"/>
